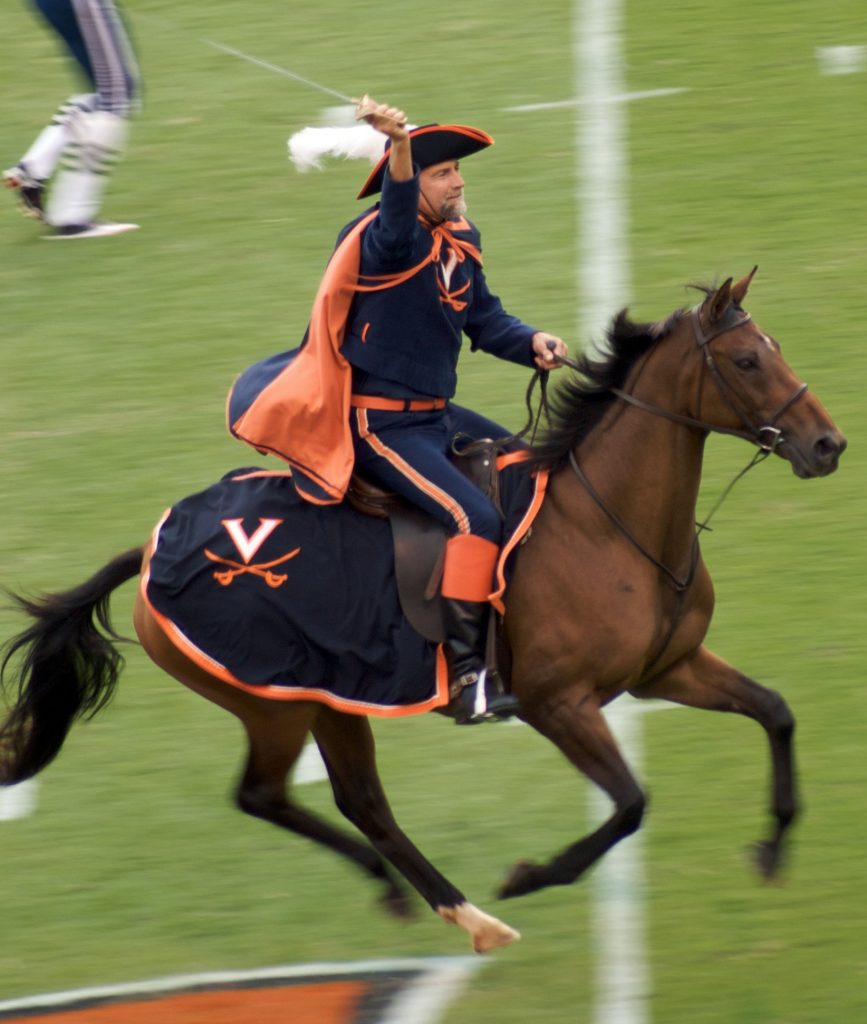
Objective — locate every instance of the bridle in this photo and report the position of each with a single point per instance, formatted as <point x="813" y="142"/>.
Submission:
<point x="767" y="437"/>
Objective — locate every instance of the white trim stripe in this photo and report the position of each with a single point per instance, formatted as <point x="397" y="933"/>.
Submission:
<point x="101" y="30"/>
<point x="436" y="494"/>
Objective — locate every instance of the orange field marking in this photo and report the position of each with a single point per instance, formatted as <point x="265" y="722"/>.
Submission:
<point x="331" y="1002"/>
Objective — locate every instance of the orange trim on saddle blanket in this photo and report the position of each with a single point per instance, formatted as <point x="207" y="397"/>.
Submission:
<point x="469" y="567"/>
<point x="303" y="414"/>
<point x="522" y="529"/>
<point x="511" y="458"/>
<point x="291" y="691"/>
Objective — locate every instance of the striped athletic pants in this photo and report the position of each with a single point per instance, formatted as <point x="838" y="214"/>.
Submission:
<point x="94" y="34"/>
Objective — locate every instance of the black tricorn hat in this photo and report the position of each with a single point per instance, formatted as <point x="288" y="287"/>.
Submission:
<point x="431" y="144"/>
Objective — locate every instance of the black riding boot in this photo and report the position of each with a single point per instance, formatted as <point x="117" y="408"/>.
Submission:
<point x="481" y="697"/>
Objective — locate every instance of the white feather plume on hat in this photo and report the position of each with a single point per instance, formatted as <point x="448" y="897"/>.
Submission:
<point x="309" y="147"/>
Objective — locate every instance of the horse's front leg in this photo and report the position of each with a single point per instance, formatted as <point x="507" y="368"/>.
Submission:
<point x="573" y="722"/>
<point x="705" y="681"/>
<point x="347" y="747"/>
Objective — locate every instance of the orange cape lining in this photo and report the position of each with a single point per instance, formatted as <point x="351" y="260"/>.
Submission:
<point x="303" y="414"/>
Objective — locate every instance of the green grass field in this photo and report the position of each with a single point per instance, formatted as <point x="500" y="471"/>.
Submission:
<point x="117" y="355"/>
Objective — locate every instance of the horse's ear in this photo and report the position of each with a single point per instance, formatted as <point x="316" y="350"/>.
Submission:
<point x="739" y="291"/>
<point x="720" y="301"/>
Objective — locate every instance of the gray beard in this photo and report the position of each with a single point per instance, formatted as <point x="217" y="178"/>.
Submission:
<point x="454" y="209"/>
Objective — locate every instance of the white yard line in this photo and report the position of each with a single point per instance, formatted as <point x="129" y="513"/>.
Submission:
<point x="620" y="940"/>
<point x="18" y="801"/>
<point x="580" y="101"/>
<point x="310" y="766"/>
<point x="604" y="275"/>
<point x="427" y="998"/>
<point x="604" y="286"/>
<point x="841" y="60"/>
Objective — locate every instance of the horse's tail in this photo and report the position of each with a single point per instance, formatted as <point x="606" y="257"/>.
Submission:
<point x="68" y="669"/>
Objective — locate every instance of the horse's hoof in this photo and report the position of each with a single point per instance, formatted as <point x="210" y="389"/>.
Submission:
<point x="523" y="878"/>
<point x="398" y="903"/>
<point x="486" y="932"/>
<point x="766" y="857"/>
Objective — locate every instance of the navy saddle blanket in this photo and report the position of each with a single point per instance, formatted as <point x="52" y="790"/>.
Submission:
<point x="292" y="600"/>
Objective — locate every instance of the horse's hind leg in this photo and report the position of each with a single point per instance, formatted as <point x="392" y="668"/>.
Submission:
<point x="575" y="724"/>
<point x="276" y="738"/>
<point x="347" y="746"/>
<point x="706" y="681"/>
<point x="276" y="733"/>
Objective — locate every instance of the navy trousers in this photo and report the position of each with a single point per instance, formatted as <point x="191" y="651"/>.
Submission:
<point x="407" y="452"/>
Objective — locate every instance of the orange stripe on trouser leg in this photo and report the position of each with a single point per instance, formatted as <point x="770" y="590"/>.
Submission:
<point x="468" y="571"/>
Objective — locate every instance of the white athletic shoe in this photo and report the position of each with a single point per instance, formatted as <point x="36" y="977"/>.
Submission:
<point x="96" y="230"/>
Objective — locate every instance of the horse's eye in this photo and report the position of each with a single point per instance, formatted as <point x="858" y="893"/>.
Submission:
<point x="747" y="363"/>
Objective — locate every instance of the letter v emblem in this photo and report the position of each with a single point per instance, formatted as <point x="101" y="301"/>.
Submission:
<point x="248" y="546"/>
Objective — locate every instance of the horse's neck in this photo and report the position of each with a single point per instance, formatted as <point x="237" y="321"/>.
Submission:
<point x="646" y="470"/>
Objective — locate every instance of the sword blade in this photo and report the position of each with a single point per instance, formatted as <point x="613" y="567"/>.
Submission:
<point x="279" y="71"/>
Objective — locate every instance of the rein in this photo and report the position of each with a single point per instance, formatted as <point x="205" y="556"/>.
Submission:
<point x="680" y="585"/>
<point x="766" y="437"/>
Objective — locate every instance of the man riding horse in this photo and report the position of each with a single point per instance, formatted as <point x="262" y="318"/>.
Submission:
<point x="371" y="386"/>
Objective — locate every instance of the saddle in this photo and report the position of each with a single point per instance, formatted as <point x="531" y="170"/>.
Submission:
<point x="419" y="539"/>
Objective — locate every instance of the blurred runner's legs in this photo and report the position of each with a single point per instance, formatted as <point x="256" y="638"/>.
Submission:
<point x="88" y="132"/>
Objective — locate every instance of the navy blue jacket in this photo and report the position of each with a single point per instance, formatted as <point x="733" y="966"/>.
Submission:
<point x="405" y="340"/>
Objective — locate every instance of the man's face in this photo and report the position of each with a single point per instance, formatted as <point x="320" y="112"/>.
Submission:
<point x="442" y="191"/>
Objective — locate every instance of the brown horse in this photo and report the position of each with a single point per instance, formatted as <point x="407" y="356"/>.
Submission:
<point x="609" y="595"/>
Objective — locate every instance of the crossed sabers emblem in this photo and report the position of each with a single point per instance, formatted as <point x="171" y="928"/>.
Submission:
<point x="248" y="546"/>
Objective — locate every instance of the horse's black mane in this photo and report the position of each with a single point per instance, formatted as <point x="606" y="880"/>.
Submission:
<point x="580" y="401"/>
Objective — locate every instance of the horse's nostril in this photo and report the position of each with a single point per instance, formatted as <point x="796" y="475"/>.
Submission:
<point x="828" y="447"/>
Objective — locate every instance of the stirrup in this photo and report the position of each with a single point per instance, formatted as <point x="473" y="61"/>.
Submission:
<point x="475" y="703"/>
